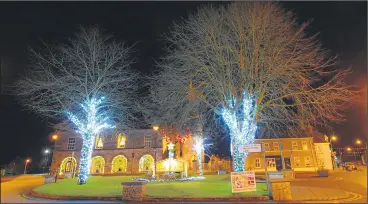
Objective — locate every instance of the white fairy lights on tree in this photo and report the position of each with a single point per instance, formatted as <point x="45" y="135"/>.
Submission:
<point x="242" y="127"/>
<point x="257" y="57"/>
<point x="199" y="148"/>
<point x="87" y="83"/>
<point x="91" y="122"/>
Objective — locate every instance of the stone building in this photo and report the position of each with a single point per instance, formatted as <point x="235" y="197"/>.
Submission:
<point x="131" y="152"/>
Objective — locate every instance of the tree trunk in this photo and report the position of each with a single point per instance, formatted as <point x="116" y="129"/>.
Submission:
<point x="199" y="138"/>
<point x="85" y="159"/>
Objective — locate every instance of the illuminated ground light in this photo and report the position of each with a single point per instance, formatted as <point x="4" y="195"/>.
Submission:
<point x="192" y="178"/>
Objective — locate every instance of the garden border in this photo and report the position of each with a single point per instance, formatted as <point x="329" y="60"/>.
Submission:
<point x="154" y="199"/>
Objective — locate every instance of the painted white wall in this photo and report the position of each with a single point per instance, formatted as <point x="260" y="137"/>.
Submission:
<point x="323" y="155"/>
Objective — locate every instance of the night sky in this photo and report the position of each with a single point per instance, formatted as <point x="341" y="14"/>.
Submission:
<point x="342" y="27"/>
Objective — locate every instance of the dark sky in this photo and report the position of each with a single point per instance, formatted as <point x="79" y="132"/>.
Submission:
<point x="342" y="27"/>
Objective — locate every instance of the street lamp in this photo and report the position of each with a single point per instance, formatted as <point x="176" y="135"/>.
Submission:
<point x="54" y="137"/>
<point x="349" y="149"/>
<point x="155" y="127"/>
<point x="25" y="166"/>
<point x="332" y="139"/>
<point x="46" y="152"/>
<point x="359" y="142"/>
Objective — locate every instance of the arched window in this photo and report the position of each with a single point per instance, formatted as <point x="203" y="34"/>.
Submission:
<point x="121" y="141"/>
<point x="98" y="143"/>
<point x="97" y="165"/>
<point x="146" y="163"/>
<point x="119" y="164"/>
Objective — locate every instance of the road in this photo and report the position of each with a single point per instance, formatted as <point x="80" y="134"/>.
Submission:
<point x="18" y="190"/>
<point x="355" y="182"/>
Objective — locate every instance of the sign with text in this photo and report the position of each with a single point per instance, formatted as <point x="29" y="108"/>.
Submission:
<point x="250" y="148"/>
<point x="243" y="181"/>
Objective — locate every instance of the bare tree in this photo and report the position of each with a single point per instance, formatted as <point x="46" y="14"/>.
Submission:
<point x="86" y="82"/>
<point x="252" y="64"/>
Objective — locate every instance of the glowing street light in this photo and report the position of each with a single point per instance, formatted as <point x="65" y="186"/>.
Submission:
<point x="359" y="142"/>
<point x="349" y="149"/>
<point x="55" y="137"/>
<point x="25" y="166"/>
<point x="333" y="138"/>
<point x="47" y="151"/>
<point x="155" y="127"/>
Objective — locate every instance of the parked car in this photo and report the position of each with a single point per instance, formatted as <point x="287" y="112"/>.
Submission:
<point x="349" y="166"/>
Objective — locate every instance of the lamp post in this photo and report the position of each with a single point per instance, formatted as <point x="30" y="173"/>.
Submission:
<point x="155" y="128"/>
<point x="46" y="152"/>
<point x="332" y="139"/>
<point x="25" y="165"/>
<point x="359" y="142"/>
<point x="54" y="138"/>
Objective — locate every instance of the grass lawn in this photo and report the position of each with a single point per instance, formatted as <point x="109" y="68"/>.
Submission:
<point x="212" y="186"/>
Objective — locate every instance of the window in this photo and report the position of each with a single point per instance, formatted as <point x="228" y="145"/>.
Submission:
<point x="295" y="145"/>
<point x="271" y="162"/>
<point x="121" y="141"/>
<point x="296" y="161"/>
<point x="304" y="145"/>
<point x="99" y="143"/>
<point x="258" y="163"/>
<point x="307" y="161"/>
<point x="147" y="141"/>
<point x="276" y="146"/>
<point x="71" y="143"/>
<point x="266" y="147"/>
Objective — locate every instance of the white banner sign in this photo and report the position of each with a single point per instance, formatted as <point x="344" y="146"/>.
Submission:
<point x="243" y="181"/>
<point x="249" y="148"/>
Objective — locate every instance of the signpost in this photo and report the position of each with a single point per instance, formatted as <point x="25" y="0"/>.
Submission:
<point x="250" y="148"/>
<point x="243" y="181"/>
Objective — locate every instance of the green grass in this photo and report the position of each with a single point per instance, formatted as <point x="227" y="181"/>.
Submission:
<point x="212" y="186"/>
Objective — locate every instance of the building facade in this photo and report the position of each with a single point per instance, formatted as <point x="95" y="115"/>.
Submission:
<point x="297" y="154"/>
<point x="131" y="152"/>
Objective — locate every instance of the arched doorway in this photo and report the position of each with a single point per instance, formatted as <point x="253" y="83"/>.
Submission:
<point x="67" y="165"/>
<point x="146" y="163"/>
<point x="98" y="165"/>
<point x="119" y="164"/>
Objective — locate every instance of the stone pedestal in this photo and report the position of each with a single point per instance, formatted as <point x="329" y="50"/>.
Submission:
<point x="134" y="190"/>
<point x="49" y="179"/>
<point x="280" y="190"/>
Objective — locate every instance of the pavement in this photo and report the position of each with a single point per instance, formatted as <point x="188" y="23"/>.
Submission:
<point x="18" y="190"/>
<point x="350" y="185"/>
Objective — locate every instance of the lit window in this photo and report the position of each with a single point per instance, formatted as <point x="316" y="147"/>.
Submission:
<point x="307" y="161"/>
<point x="258" y="163"/>
<point x="295" y="145"/>
<point x="121" y="141"/>
<point x="267" y="146"/>
<point x="71" y="143"/>
<point x="99" y="143"/>
<point x="271" y="162"/>
<point x="304" y="145"/>
<point x="296" y="161"/>
<point x="147" y="141"/>
<point x="276" y="146"/>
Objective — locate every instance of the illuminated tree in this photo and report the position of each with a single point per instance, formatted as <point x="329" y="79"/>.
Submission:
<point x="253" y="65"/>
<point x="173" y="101"/>
<point x="86" y="82"/>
